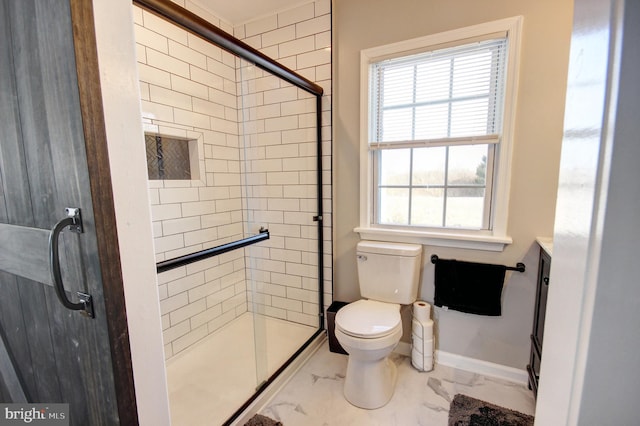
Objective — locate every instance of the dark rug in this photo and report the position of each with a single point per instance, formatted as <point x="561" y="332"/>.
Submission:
<point x="260" y="420"/>
<point x="467" y="411"/>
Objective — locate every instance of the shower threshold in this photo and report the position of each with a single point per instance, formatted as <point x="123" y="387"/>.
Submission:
<point x="209" y="381"/>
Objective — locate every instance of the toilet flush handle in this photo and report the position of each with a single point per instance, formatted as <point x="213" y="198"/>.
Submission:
<point x="361" y="257"/>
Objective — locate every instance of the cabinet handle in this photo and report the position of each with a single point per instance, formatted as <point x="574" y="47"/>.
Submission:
<point x="546" y="280"/>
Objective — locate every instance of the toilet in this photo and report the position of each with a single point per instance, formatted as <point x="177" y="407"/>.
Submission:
<point x="369" y="329"/>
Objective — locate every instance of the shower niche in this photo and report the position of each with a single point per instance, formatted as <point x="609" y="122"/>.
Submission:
<point x="238" y="222"/>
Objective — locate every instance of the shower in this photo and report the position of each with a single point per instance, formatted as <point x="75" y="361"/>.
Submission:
<point x="235" y="163"/>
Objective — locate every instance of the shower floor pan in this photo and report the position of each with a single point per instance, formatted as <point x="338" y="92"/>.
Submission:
<point x="211" y="380"/>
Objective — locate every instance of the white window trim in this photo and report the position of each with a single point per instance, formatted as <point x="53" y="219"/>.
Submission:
<point x="493" y="240"/>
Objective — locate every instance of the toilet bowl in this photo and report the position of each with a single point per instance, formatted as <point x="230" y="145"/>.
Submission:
<point x="368" y="331"/>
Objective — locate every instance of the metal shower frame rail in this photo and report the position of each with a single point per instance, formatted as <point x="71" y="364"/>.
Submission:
<point x="200" y="27"/>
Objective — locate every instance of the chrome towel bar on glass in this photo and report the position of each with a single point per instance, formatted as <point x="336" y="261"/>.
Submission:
<point x="520" y="267"/>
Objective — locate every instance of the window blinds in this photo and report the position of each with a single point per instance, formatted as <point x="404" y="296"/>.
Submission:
<point x="442" y="97"/>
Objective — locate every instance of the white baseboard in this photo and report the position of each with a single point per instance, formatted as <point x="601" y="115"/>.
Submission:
<point x="471" y="364"/>
<point x="482" y="367"/>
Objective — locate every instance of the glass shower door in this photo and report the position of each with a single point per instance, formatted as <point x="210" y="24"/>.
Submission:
<point x="250" y="138"/>
<point x="280" y="193"/>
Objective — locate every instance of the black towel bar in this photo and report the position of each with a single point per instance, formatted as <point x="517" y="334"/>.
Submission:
<point x="520" y="267"/>
<point x="176" y="262"/>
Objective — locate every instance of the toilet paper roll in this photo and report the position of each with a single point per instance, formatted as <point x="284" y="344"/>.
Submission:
<point x="417" y="328"/>
<point x="427" y="363"/>
<point x="417" y="343"/>
<point x="421" y="311"/>
<point x="421" y="362"/>
<point x="422" y="329"/>
<point x="417" y="360"/>
<point x="427" y="347"/>
<point x="427" y="329"/>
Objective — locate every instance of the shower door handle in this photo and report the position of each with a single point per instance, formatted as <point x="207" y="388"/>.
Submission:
<point x="74" y="222"/>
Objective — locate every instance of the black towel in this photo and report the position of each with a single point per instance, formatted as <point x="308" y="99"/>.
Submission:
<point x="475" y="288"/>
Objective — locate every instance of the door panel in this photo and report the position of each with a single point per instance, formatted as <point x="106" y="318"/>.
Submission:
<point x="58" y="355"/>
<point x="31" y="361"/>
<point x="28" y="254"/>
<point x="10" y="387"/>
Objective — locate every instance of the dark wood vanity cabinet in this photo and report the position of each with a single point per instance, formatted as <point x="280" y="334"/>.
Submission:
<point x="537" y="334"/>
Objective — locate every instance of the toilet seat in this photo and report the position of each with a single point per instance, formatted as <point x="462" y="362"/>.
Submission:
<point x="369" y="319"/>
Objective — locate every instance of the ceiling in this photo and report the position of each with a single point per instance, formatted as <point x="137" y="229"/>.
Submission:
<point x="238" y="12"/>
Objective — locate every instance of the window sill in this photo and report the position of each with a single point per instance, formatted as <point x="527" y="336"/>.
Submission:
<point x="439" y="239"/>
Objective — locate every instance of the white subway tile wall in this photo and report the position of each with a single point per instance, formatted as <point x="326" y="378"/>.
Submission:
<point x="256" y="136"/>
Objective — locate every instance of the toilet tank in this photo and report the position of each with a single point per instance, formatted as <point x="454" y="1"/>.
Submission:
<point x="389" y="272"/>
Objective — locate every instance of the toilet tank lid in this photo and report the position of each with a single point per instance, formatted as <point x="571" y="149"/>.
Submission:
<point x="396" y="249"/>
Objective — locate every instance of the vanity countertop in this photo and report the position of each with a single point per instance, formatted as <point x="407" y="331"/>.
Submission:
<point x="546" y="243"/>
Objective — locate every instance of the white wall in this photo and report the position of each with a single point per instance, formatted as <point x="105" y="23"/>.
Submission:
<point x="590" y="373"/>
<point x="362" y="24"/>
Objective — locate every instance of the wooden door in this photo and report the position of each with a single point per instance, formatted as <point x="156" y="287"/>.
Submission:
<point x="53" y="156"/>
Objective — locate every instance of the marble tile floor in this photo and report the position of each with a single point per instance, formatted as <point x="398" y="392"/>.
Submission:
<point x="209" y="381"/>
<point x="314" y="396"/>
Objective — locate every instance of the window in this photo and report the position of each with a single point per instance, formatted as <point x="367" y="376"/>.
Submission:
<point x="169" y="158"/>
<point x="438" y="119"/>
